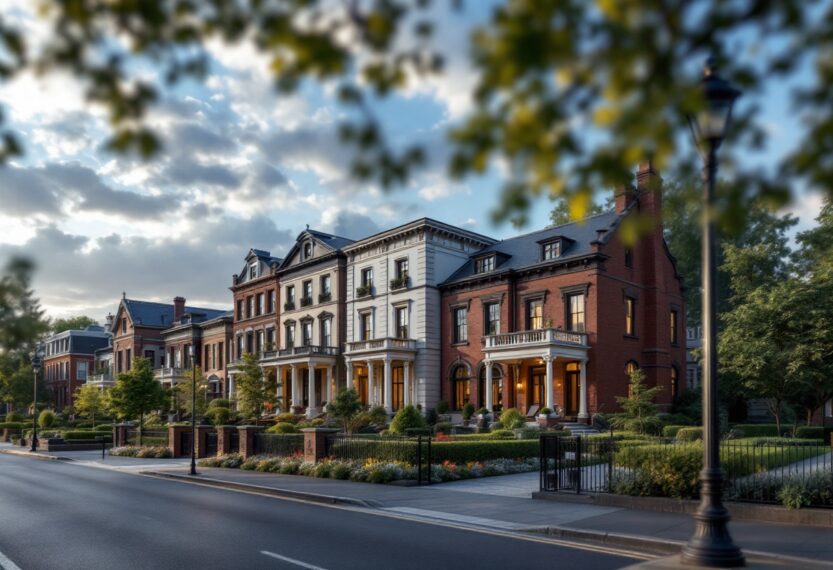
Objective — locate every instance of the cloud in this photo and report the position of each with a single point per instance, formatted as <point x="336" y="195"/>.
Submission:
<point x="24" y="192"/>
<point x="354" y="225"/>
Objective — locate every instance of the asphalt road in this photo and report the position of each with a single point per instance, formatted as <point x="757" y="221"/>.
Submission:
<point x="57" y="515"/>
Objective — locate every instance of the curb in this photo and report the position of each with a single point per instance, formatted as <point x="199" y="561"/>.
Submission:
<point x="286" y="493"/>
<point x="34" y="455"/>
<point x="612" y="539"/>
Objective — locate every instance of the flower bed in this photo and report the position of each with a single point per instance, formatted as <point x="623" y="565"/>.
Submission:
<point x="372" y="471"/>
<point x="141" y="452"/>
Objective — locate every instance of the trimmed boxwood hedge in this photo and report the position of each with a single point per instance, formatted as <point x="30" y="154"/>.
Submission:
<point x="689" y="434"/>
<point x="672" y="430"/>
<point x="86" y="434"/>
<point x="760" y="430"/>
<point x="13" y="425"/>
<point x="465" y="451"/>
<point x="810" y="432"/>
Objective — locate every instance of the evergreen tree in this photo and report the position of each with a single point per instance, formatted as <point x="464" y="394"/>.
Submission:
<point x="346" y="407"/>
<point x="639" y="412"/>
<point x="71" y="323"/>
<point x="250" y="387"/>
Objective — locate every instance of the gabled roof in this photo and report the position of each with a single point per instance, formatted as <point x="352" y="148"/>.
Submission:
<point x="161" y="315"/>
<point x="416" y="224"/>
<point x="524" y="251"/>
<point x="329" y="241"/>
<point x="263" y="255"/>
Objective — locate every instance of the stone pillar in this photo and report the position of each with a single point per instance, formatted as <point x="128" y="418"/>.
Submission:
<point x="175" y="440"/>
<point x="119" y="435"/>
<point x="349" y="374"/>
<point x="224" y="439"/>
<point x="315" y="443"/>
<point x="247" y="439"/>
<point x="371" y="384"/>
<point x="582" y="402"/>
<point x="312" y="407"/>
<point x="202" y="440"/>
<point x="329" y="385"/>
<point x="388" y="386"/>
<point x="406" y="365"/>
<point x="489" y="393"/>
<point x="550" y="392"/>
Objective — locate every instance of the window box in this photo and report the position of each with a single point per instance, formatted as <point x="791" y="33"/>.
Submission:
<point x="306" y="301"/>
<point x="364" y="290"/>
<point x="399" y="283"/>
<point x="324" y="297"/>
<point x="289" y="306"/>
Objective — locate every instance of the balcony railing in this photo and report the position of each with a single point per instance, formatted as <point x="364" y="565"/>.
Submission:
<point x="168" y="373"/>
<point x="306" y="301"/>
<point x="364" y="291"/>
<point x="309" y="350"/>
<point x="289" y="306"/>
<point x="325" y="297"/>
<point x="399" y="283"/>
<point x="537" y="337"/>
<point x="381" y="344"/>
<point x="102" y="379"/>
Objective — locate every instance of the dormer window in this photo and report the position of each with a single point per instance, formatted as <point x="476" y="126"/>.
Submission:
<point x="253" y="271"/>
<point x="307" y="250"/>
<point x="551" y="250"/>
<point x="484" y="264"/>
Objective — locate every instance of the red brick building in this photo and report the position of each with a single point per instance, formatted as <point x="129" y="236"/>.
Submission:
<point x="68" y="361"/>
<point x="557" y="317"/>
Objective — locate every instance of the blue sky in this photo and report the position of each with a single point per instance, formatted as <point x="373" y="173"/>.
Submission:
<point x="243" y="168"/>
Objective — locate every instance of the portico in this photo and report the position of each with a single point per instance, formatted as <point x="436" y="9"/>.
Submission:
<point x="306" y="377"/>
<point x="381" y="371"/>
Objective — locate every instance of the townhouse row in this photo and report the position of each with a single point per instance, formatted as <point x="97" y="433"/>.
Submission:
<point x="427" y="311"/>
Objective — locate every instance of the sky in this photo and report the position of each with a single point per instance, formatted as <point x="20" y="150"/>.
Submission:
<point x="242" y="168"/>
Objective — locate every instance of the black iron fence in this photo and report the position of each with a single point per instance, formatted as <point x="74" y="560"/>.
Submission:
<point x="757" y="470"/>
<point x="277" y="444"/>
<point x="414" y="451"/>
<point x="149" y="437"/>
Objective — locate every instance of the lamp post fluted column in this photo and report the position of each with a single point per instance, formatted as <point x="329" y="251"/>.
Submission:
<point x="191" y="353"/>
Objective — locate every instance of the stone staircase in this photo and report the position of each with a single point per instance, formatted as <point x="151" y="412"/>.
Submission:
<point x="576" y="428"/>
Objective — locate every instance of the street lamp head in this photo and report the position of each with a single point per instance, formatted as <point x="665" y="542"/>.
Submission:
<point x="191" y="350"/>
<point x="36" y="363"/>
<point x="711" y="123"/>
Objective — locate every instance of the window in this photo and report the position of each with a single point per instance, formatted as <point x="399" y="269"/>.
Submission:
<point x="492" y="318"/>
<point x="461" y="387"/>
<point x="290" y="336"/>
<point x="240" y="310"/>
<point x="259" y="304"/>
<point x="124" y="325"/>
<point x="535" y="315"/>
<point x="129" y="354"/>
<point x="325" y="285"/>
<point x="259" y="341"/>
<point x="828" y="408"/>
<point x="306" y="333"/>
<point x="253" y="271"/>
<point x="270" y="301"/>
<point x="327" y="332"/>
<point x="401" y="318"/>
<point x="461" y="329"/>
<point x="307" y="250"/>
<point x="630" y="317"/>
<point x="270" y="339"/>
<point x="575" y="312"/>
<point x="207" y="358"/>
<point x="82" y="371"/>
<point x="401" y="268"/>
<point x="240" y="346"/>
<point x="675" y="378"/>
<point x="367" y="277"/>
<point x="366" y="324"/>
<point x="674" y="328"/>
<point x="306" y="300"/>
<point x="484" y="264"/>
<point x="219" y="356"/>
<point x="250" y="306"/>
<point x="551" y="250"/>
<point x="290" y="298"/>
<point x="628" y="257"/>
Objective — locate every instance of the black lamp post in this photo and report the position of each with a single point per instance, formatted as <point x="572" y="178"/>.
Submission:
<point x="36" y="365"/>
<point x="193" y="410"/>
<point x="711" y="545"/>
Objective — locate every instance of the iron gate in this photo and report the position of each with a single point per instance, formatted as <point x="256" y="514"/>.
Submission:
<point x="576" y="464"/>
<point x="211" y="444"/>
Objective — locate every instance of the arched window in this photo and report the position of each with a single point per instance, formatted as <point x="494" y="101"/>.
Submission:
<point x="461" y="386"/>
<point x="675" y="378"/>
<point x="497" y="387"/>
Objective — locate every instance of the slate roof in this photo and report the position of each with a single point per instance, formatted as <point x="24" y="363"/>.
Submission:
<point x="149" y="314"/>
<point x="79" y="343"/>
<point x="334" y="241"/>
<point x="266" y="256"/>
<point x="525" y="250"/>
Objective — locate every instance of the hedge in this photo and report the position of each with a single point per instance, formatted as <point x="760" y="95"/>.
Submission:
<point x="87" y="434"/>
<point x="13" y="425"/>
<point x="465" y="451"/>
<point x="810" y="432"/>
<point x="689" y="434"/>
<point x="671" y="430"/>
<point x="760" y="430"/>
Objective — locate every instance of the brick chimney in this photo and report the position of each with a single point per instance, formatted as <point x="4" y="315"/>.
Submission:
<point x="179" y="308"/>
<point x="624" y="196"/>
<point x="649" y="189"/>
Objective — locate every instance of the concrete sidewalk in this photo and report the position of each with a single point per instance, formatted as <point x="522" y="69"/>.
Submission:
<point x="496" y="503"/>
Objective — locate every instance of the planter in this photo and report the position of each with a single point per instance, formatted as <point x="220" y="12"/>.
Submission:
<point x="548" y="421"/>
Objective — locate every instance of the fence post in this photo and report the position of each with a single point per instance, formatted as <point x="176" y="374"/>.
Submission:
<point x="224" y="439"/>
<point x="247" y="440"/>
<point x="541" y="464"/>
<point x="578" y="465"/>
<point x="315" y="443"/>
<point x="429" y="460"/>
<point x="419" y="460"/>
<point x="611" y="455"/>
<point x="202" y="440"/>
<point x="557" y="465"/>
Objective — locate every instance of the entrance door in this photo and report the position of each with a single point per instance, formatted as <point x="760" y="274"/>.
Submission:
<point x="398" y="387"/>
<point x="361" y="387"/>
<point x="537" y="383"/>
<point x="571" y="389"/>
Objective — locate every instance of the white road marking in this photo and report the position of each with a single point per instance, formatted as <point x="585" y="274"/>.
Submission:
<point x="7" y="564"/>
<point x="292" y="560"/>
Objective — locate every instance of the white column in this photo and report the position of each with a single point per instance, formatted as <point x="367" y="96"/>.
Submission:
<point x="388" y="387"/>
<point x="489" y="399"/>
<point x="329" y="385"/>
<point x="293" y="388"/>
<point x="279" y="384"/>
<point x="349" y="374"/>
<point x="582" y="403"/>
<point x="311" y="408"/>
<point x="548" y="360"/>
<point x="371" y="385"/>
<point x="407" y="373"/>
<point x="231" y="389"/>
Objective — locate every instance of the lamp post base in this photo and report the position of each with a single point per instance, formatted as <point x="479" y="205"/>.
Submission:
<point x="711" y="545"/>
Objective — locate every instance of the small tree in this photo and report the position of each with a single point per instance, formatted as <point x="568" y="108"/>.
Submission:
<point x="90" y="402"/>
<point x="405" y="418"/>
<point x="184" y="391"/>
<point x="137" y="393"/>
<point x="250" y="387"/>
<point x="346" y="407"/>
<point x="46" y="419"/>
<point x="639" y="413"/>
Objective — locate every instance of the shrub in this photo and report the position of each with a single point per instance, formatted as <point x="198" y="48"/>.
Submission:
<point x="443" y="427"/>
<point x="340" y="471"/>
<point x="14" y="417"/>
<point x="104" y="427"/>
<point x="414" y="432"/>
<point x="442" y="407"/>
<point x="798" y="491"/>
<point x="218" y="416"/>
<point x="468" y="410"/>
<point x="484" y="411"/>
<point x="545" y="411"/>
<point x="431" y="417"/>
<point x="12" y="425"/>
<point x="283" y="427"/>
<point x="87" y="435"/>
<point x="658" y="470"/>
<point x="219" y="403"/>
<point x="141" y="452"/>
<point x="464" y="451"/>
<point x="230" y="461"/>
<point x="759" y="430"/>
<point x="407" y="418"/>
<point x="287" y="417"/>
<point x="672" y="430"/>
<point x="502" y="434"/>
<point x="46" y="419"/>
<point x="529" y="433"/>
<point x="810" y="432"/>
<point x="512" y="419"/>
<point x="689" y="434"/>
